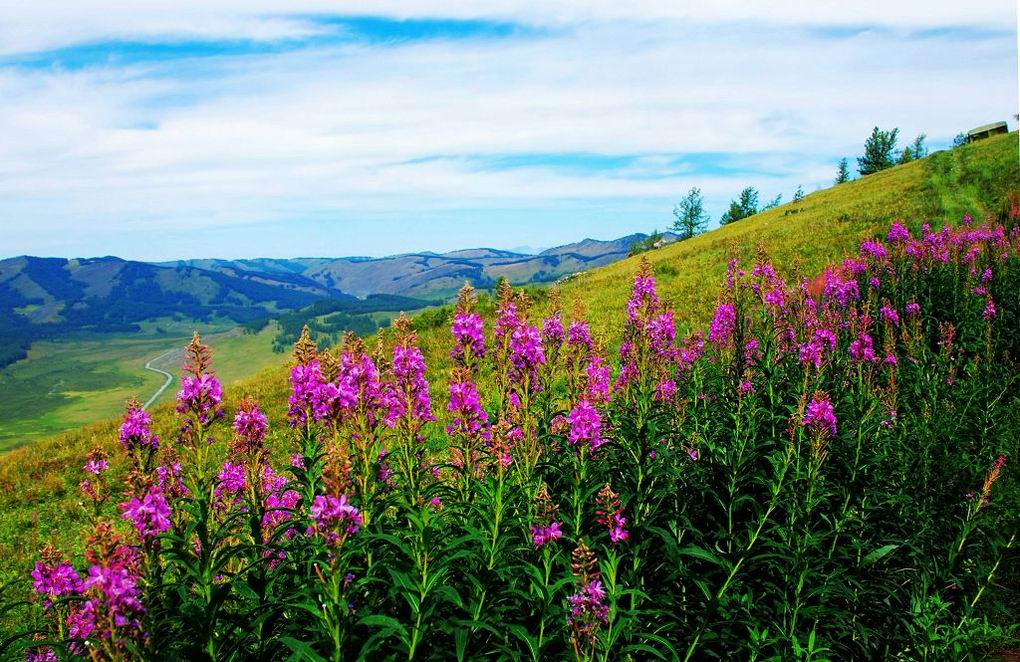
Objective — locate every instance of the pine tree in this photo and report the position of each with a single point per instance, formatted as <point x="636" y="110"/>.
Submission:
<point x="879" y="151"/>
<point x="843" y="173"/>
<point x="744" y="206"/>
<point x="691" y="218"/>
<point x="798" y="195"/>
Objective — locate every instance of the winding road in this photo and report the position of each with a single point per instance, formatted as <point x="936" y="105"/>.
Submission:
<point x="167" y="375"/>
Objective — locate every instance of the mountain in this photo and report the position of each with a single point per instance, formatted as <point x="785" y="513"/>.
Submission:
<point x="438" y="275"/>
<point x="55" y="297"/>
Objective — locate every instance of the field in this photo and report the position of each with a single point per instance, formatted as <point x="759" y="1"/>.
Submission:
<point x="67" y="384"/>
<point x="823" y="471"/>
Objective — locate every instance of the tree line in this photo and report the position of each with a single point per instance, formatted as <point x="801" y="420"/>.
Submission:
<point x="880" y="152"/>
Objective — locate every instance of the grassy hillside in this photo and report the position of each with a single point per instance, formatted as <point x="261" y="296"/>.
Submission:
<point x="38" y="482"/>
<point x="67" y="384"/>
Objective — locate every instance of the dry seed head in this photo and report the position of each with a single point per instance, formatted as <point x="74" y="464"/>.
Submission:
<point x="305" y="349"/>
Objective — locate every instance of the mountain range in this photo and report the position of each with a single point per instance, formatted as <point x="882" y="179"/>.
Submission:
<point x="54" y="297"/>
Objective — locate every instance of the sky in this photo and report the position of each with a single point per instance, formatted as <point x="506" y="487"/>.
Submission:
<point x="249" y="128"/>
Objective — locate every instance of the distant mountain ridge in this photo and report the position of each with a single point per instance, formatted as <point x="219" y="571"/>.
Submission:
<point x="432" y="275"/>
<point x="54" y="297"/>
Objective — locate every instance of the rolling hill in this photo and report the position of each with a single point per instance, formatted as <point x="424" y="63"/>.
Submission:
<point x="434" y="275"/>
<point x="38" y="483"/>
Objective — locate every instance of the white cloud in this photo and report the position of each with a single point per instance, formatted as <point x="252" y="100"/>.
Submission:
<point x="354" y="130"/>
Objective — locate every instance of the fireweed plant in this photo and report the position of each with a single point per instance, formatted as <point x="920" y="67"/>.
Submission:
<point x="826" y="471"/>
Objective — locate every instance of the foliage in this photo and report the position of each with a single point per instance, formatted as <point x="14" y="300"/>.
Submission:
<point x="879" y="151"/>
<point x="842" y="172"/>
<point x="744" y="206"/>
<point x="690" y="215"/>
<point x="826" y="472"/>
<point x="648" y="243"/>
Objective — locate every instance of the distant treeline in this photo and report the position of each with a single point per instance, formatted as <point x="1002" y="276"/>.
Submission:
<point x="329" y="319"/>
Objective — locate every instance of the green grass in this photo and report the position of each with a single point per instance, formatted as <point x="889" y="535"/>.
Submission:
<point x="67" y="384"/>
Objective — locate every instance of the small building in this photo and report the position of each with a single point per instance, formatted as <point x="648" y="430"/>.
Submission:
<point x="987" y="131"/>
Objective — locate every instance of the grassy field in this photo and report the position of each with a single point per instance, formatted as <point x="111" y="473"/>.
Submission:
<point x="38" y="481"/>
<point x="68" y="384"/>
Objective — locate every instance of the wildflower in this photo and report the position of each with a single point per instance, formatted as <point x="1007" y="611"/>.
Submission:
<point x="588" y="608"/>
<point x="585" y="426"/>
<point x="643" y="299"/>
<point x="468" y="332"/>
<point x="546" y="528"/>
<point x="820" y="415"/>
<point x="306" y="382"/>
<point x="552" y="332"/>
<point x="334" y="518"/>
<point x="913" y="309"/>
<point x="408" y="395"/>
<point x="993" y="475"/>
<point x="898" y="233"/>
<point x="135" y="431"/>
<point x="989" y="311"/>
<point x="230" y="481"/>
<point x="150" y="514"/>
<point x="469" y="419"/>
<point x="610" y="514"/>
<point x="200" y="395"/>
<point x="579" y="336"/>
<point x="596" y="388"/>
<point x="862" y="349"/>
<point x="95" y="462"/>
<point x="890" y="315"/>
<point x="723" y="325"/>
<point x="526" y="354"/>
<point x="56" y="579"/>
<point x="874" y="250"/>
<point x="665" y="391"/>
<point x="250" y="427"/>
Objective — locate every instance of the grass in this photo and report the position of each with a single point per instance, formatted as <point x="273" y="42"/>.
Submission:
<point x="64" y="385"/>
<point x="38" y="481"/>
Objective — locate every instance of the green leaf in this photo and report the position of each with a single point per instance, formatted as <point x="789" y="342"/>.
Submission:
<point x="876" y="555"/>
<point x="301" y="650"/>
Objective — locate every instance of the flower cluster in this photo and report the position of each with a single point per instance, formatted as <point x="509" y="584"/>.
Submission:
<point x="585" y="426"/>
<point x="820" y="415"/>
<point x="333" y="519"/>
<point x="149" y="514"/>
<point x="136" y="430"/>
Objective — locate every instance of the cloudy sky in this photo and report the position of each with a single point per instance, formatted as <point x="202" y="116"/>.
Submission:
<point x="242" y="128"/>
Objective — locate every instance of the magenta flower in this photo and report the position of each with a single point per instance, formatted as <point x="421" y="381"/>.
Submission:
<point x="585" y="426"/>
<point x="913" y="309"/>
<point x="552" y="332"/>
<point x="230" y="481"/>
<point x="724" y="323"/>
<point x="135" y="431"/>
<point x="150" y="515"/>
<point x="898" y="234"/>
<point x="200" y="395"/>
<point x="306" y="381"/>
<point x="334" y="518"/>
<point x="250" y="426"/>
<point x="541" y="536"/>
<point x="588" y="608"/>
<point x="526" y="354"/>
<point x="889" y="315"/>
<point x="821" y="415"/>
<point x="643" y="299"/>
<point x="469" y="419"/>
<point x="596" y="387"/>
<point x="95" y="462"/>
<point x="579" y="336"/>
<point x="409" y="392"/>
<point x="468" y="332"/>
<point x="862" y="349"/>
<point x="55" y="581"/>
<point x="989" y="311"/>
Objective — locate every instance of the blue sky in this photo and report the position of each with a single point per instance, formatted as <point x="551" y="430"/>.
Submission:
<point x="232" y="129"/>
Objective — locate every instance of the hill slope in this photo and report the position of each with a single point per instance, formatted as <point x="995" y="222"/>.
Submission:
<point x="38" y="483"/>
